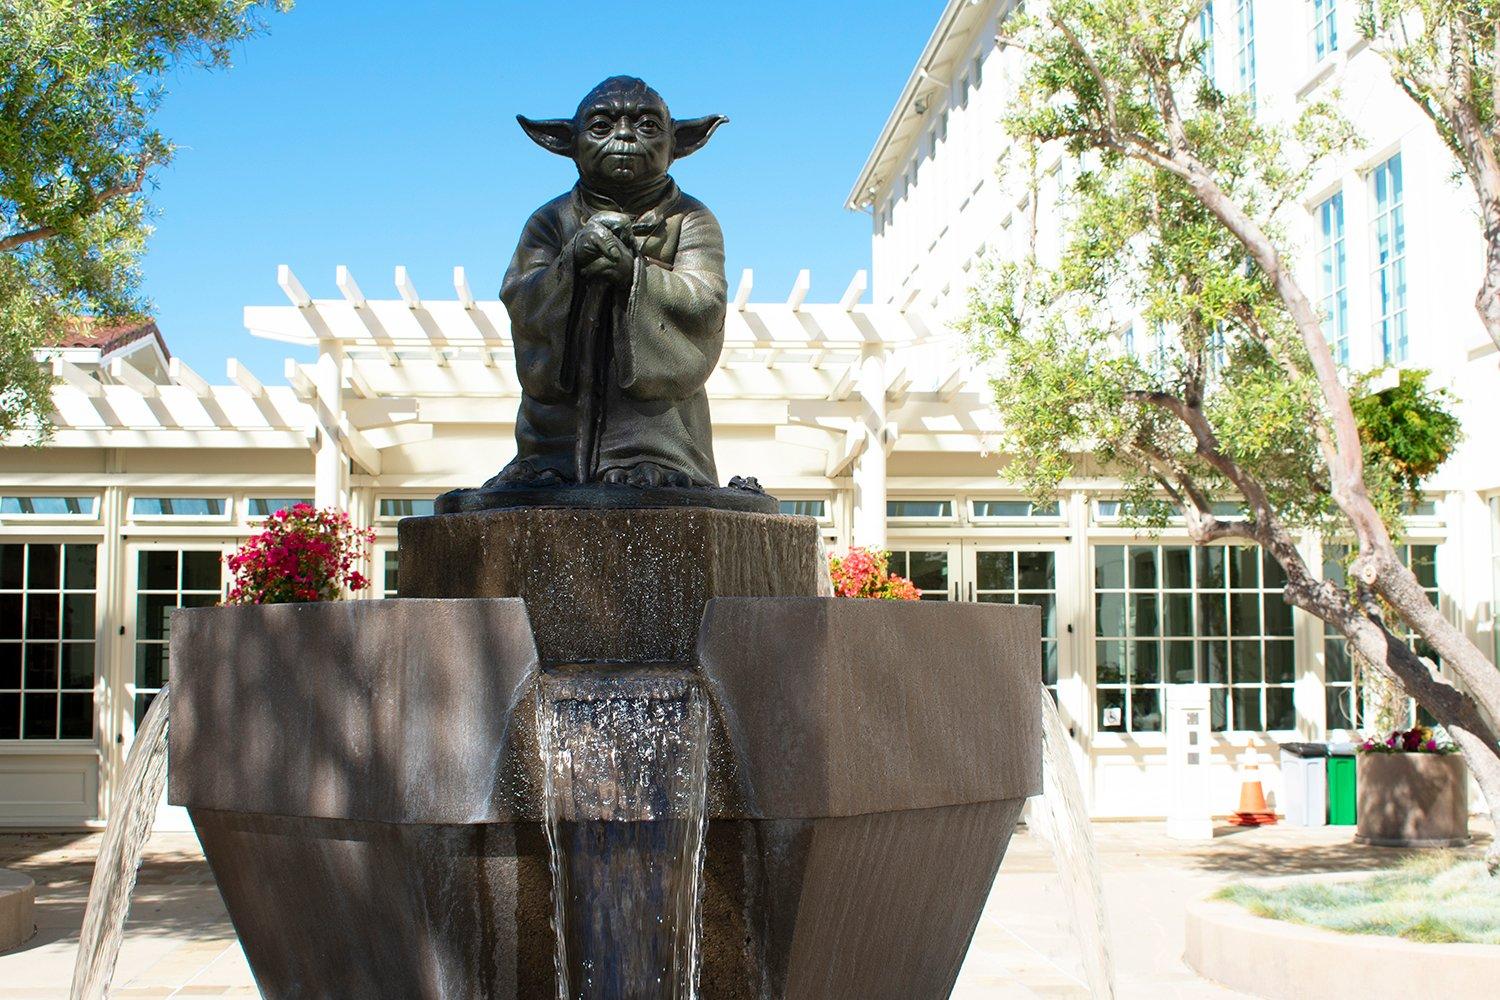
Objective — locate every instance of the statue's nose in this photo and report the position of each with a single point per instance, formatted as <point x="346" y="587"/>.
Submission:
<point x="624" y="129"/>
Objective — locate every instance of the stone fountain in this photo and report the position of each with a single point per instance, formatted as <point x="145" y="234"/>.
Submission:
<point x="609" y="742"/>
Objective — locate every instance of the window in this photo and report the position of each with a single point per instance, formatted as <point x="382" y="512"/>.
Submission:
<point x="1342" y="690"/>
<point x="266" y="506"/>
<point x="167" y="579"/>
<point x="1206" y="36"/>
<point x="927" y="570"/>
<point x="929" y="509"/>
<point x="1180" y="614"/>
<point x="1014" y="508"/>
<point x="1333" y="276"/>
<point x="805" y="508"/>
<point x="1244" y="25"/>
<point x="1325" y="30"/>
<point x="1119" y="510"/>
<point x="178" y="506"/>
<point x="389" y="572"/>
<point x="72" y="506"/>
<point x="402" y="507"/>
<point x="47" y="593"/>
<point x="1389" y="241"/>
<point x="1021" y="576"/>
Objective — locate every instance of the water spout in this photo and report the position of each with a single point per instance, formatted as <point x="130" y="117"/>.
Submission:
<point x="1061" y="818"/>
<point x="120" y="853"/>
<point x="624" y="759"/>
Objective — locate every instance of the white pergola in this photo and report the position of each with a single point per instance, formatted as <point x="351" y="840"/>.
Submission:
<point x="856" y="381"/>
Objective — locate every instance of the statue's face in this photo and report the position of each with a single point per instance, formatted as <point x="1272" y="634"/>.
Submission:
<point x="622" y="140"/>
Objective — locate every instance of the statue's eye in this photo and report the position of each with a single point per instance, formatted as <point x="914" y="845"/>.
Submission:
<point x="648" y="126"/>
<point x="600" y="127"/>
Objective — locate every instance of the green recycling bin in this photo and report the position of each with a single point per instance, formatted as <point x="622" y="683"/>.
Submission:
<point x="1341" y="792"/>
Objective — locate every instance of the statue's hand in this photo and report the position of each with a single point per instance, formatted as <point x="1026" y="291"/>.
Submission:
<point x="604" y="250"/>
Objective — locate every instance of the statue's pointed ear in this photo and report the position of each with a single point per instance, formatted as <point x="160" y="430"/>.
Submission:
<point x="690" y="135"/>
<point x="555" y="135"/>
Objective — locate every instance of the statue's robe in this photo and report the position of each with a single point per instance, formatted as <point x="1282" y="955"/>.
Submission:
<point x="622" y="368"/>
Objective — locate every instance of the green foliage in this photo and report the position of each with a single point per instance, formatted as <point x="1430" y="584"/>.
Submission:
<point x="1152" y="308"/>
<point x="1408" y="427"/>
<point x="1443" y="897"/>
<point x="80" y="81"/>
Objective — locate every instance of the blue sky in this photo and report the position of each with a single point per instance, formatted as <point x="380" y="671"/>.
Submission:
<point x="365" y="134"/>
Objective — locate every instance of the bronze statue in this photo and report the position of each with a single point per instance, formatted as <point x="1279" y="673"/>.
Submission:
<point x="616" y="297"/>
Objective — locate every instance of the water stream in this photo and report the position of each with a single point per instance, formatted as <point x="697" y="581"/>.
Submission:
<point x="1061" y="818"/>
<point x="624" y="761"/>
<point x="119" y="861"/>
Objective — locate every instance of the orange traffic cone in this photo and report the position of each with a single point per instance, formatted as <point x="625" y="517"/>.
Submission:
<point x="1253" y="810"/>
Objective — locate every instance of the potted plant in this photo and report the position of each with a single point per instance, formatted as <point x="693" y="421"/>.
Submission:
<point x="1413" y="791"/>
<point x="866" y="572"/>
<point x="301" y="554"/>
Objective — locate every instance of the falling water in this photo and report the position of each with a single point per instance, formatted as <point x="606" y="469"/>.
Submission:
<point x="120" y="856"/>
<point x="624" y="762"/>
<point x="1061" y="818"/>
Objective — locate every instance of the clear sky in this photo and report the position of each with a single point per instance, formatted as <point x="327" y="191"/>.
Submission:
<point x="376" y="133"/>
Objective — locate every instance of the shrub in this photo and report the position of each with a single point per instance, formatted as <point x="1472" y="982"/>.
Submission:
<point x="866" y="572"/>
<point x="301" y="554"/>
<point x="1418" y="739"/>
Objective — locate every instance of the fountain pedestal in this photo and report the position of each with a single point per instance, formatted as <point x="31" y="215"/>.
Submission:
<point x="366" y="780"/>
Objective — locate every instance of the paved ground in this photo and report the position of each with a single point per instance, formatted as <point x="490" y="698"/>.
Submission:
<point x="179" y="942"/>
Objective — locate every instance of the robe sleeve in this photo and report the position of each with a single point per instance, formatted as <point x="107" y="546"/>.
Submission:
<point x="538" y="294"/>
<point x="671" y="331"/>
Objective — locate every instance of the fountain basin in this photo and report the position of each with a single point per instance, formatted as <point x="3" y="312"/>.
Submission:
<point x="365" y="781"/>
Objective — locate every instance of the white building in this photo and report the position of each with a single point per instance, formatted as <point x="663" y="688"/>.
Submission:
<point x="865" y="416"/>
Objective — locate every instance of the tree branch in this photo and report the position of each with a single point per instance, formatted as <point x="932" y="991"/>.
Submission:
<point x="99" y="199"/>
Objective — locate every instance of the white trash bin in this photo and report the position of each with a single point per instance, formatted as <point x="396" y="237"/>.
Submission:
<point x="1304" y="784"/>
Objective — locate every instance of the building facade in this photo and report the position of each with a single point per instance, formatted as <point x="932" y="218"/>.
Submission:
<point x="866" y="415"/>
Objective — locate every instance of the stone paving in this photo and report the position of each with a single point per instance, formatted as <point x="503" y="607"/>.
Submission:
<point x="179" y="942"/>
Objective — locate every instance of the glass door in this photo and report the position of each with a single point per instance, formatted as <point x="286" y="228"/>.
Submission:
<point x="1001" y="574"/>
<point x="932" y="567"/>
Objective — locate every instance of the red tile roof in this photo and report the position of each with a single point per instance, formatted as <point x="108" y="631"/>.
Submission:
<point x="86" y="332"/>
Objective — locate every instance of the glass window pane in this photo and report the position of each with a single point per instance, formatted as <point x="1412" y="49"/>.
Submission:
<point x="929" y="570"/>
<point x="12" y="566"/>
<point x="399" y="507"/>
<point x="1273" y="577"/>
<point x="1048" y="604"/>
<point x="259" y="507"/>
<point x="1212" y="619"/>
<point x="80" y="567"/>
<point x="39" y="716"/>
<point x="1049" y="663"/>
<point x="1211" y="568"/>
<point x="1036" y="570"/>
<point x="1244" y="565"/>
<point x="200" y="570"/>
<point x="1218" y="709"/>
<point x="1109" y="567"/>
<point x="1145" y="709"/>
<point x="1142" y="566"/>
<point x="1143" y="615"/>
<point x="1177" y="614"/>
<point x="1336" y="665"/>
<point x="1424" y="564"/>
<point x="919" y="508"/>
<point x="41" y="665"/>
<point x="1180" y="668"/>
<point x="1278" y="615"/>
<point x="1281" y="712"/>
<point x="392" y="572"/>
<point x="1145" y="662"/>
<point x="153" y="615"/>
<point x="1339" y="707"/>
<point x="78" y="665"/>
<point x="1111" y="708"/>
<point x="995" y="570"/>
<point x="1246" y="665"/>
<point x="10" y="616"/>
<point x="78" y="616"/>
<point x="1177" y="567"/>
<point x="1281" y="665"/>
<point x="1244" y="614"/>
<point x="10" y="716"/>
<point x="77" y="717"/>
<point x="150" y="664"/>
<point x="1109" y="614"/>
<point x="1213" y="656"/>
<point x="1247" y="709"/>
<point x="1110" y="662"/>
<point x="10" y="665"/>
<point x="43" y="567"/>
<point x="156" y="570"/>
<point x="43" y="616"/>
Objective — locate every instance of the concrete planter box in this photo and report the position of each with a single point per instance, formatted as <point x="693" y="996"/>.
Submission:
<point x="1286" y="961"/>
<point x="1413" y="800"/>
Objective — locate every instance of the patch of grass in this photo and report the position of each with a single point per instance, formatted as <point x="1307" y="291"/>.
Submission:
<point x="1435" y="898"/>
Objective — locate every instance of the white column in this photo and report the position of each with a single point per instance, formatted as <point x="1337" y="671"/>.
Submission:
<point x="330" y="465"/>
<point x="869" y="467"/>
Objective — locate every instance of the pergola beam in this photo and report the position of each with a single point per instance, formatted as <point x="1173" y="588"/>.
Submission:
<point x="293" y="289"/>
<point x="180" y="374"/>
<point x="800" y="288"/>
<point x="856" y="440"/>
<point x="128" y="374"/>
<point x="855" y="291"/>
<point x="746" y="286"/>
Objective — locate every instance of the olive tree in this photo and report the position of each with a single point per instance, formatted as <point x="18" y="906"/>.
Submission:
<point x="1176" y="225"/>
<point x="80" y="81"/>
